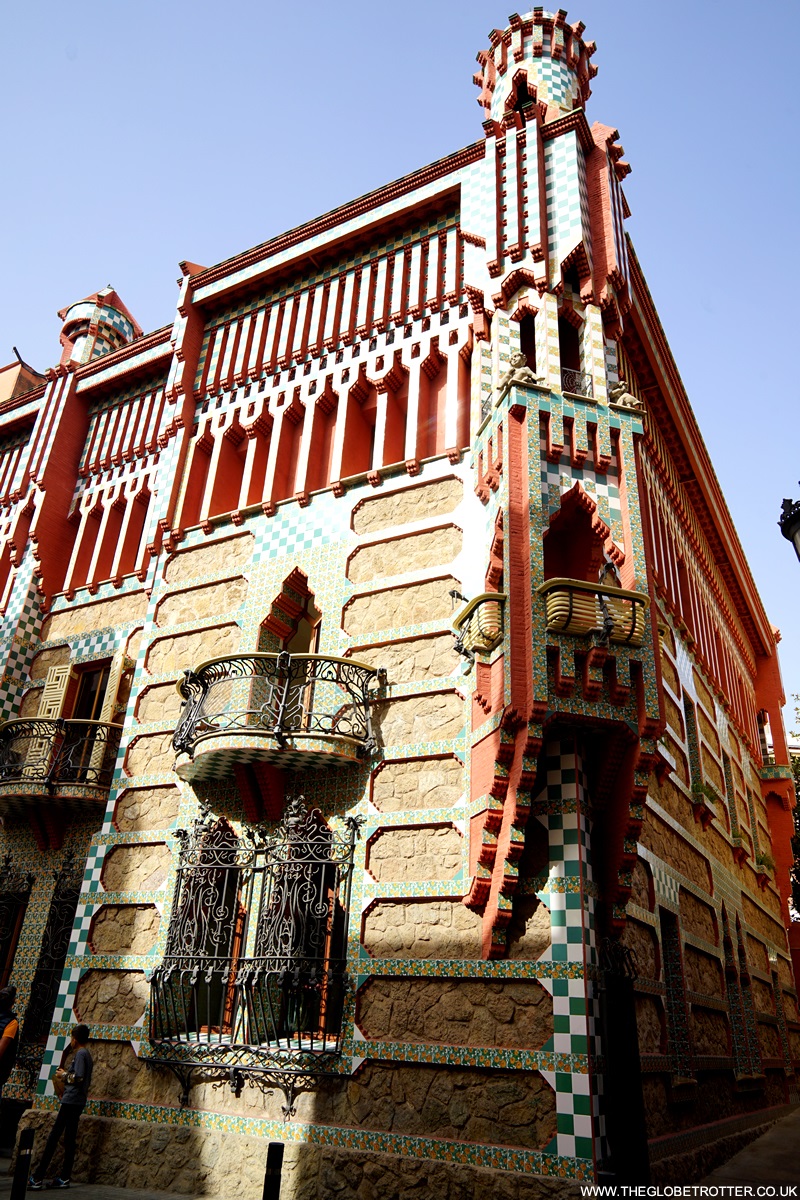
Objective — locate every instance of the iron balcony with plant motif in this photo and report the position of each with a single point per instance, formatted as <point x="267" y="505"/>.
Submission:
<point x="69" y="763"/>
<point x="253" y="981"/>
<point x="294" y="710"/>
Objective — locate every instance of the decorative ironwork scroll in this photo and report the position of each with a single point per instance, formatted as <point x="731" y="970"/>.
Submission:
<point x="15" y="889"/>
<point x="254" y="974"/>
<point x="58" y="753"/>
<point x="579" y="383"/>
<point x="283" y="695"/>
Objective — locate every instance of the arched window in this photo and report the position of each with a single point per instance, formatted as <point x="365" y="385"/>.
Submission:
<point x="293" y="621"/>
<point x="574" y="378"/>
<point x="527" y="339"/>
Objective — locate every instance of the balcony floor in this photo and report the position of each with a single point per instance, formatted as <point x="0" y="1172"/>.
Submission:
<point x="17" y="799"/>
<point x="215" y="755"/>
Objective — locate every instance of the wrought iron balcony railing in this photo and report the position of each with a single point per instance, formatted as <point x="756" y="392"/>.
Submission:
<point x="579" y="383"/>
<point x="579" y="608"/>
<point x="253" y="978"/>
<point x="42" y="755"/>
<point x="281" y="697"/>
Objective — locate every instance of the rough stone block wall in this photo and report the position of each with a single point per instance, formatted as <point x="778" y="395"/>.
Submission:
<point x="407" y="505"/>
<point x="394" y="608"/>
<point x="416" y="552"/>
<point x="139" y="868"/>
<point x="169" y="655"/>
<point x="474" y="1012"/>
<point x="195" y="1160"/>
<point x="125" y="929"/>
<point x="212" y="600"/>
<point x="416" y="854"/>
<point x="406" y="786"/>
<point x="223" y="554"/>
<point x="83" y="618"/>
<point x="112" y="997"/>
<point x="441" y="929"/>
<point x="146" y="808"/>
<point x="415" y="658"/>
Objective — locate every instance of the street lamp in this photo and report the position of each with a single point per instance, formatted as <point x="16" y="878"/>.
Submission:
<point x="790" y="523"/>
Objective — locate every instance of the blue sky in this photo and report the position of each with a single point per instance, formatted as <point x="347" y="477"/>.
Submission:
<point x="156" y="132"/>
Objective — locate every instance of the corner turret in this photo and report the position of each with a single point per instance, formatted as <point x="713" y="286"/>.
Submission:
<point x="538" y="58"/>
<point x="95" y="326"/>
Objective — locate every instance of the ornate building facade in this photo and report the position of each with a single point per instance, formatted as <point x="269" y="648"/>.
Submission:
<point x="386" y="696"/>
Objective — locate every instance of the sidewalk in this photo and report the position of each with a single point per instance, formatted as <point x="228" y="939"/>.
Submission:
<point x="774" y="1158"/>
<point x="91" y="1191"/>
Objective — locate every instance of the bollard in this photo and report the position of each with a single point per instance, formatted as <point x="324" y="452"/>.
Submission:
<point x="22" y="1170"/>
<point x="272" y="1175"/>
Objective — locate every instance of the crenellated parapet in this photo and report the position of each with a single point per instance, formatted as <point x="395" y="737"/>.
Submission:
<point x="545" y="52"/>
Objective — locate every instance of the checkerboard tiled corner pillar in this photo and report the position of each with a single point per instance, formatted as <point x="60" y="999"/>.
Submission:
<point x="562" y="807"/>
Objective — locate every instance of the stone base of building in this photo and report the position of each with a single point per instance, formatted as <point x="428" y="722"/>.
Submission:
<point x="217" y="1165"/>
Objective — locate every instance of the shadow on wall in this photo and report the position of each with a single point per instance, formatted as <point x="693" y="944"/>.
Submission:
<point x="189" y="1154"/>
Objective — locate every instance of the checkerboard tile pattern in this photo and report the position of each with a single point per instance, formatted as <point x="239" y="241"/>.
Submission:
<point x="556" y="479"/>
<point x="288" y="534"/>
<point x="54" y="1051"/>
<point x="569" y="895"/>
<point x="555" y="82"/>
<point x="94" y="868"/>
<point x="665" y="885"/>
<point x="65" y="1001"/>
<point x="565" y="228"/>
<point x="79" y="939"/>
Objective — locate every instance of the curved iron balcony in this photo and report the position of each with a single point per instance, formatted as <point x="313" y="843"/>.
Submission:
<point x="479" y="625"/>
<point x="578" y="383"/>
<point x="296" y="710"/>
<point x="69" y="762"/>
<point x="579" y="608"/>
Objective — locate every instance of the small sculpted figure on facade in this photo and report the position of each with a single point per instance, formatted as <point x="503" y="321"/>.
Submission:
<point x="519" y="374"/>
<point x="618" y="394"/>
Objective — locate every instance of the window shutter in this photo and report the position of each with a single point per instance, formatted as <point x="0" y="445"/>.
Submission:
<point x="55" y="691"/>
<point x="112" y="687"/>
<point x="54" y="696"/>
<point x="109" y="702"/>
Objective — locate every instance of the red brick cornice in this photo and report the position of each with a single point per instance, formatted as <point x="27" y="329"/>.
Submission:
<point x="355" y="208"/>
<point x="148" y="342"/>
<point x="574" y="120"/>
<point x="23" y="399"/>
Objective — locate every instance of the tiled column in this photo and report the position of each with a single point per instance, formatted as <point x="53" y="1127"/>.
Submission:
<point x="562" y="808"/>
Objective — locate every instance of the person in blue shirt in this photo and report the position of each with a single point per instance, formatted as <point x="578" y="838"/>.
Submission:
<point x="76" y="1079"/>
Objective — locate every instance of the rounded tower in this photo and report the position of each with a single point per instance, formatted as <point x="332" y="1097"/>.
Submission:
<point x="95" y="326"/>
<point x="537" y="58"/>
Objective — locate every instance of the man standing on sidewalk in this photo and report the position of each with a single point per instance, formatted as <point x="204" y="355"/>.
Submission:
<point x="76" y="1079"/>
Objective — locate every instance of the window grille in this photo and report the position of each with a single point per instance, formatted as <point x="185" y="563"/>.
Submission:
<point x="55" y="943"/>
<point x="50" y="966"/>
<point x="15" y="890"/>
<point x="253" y="978"/>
